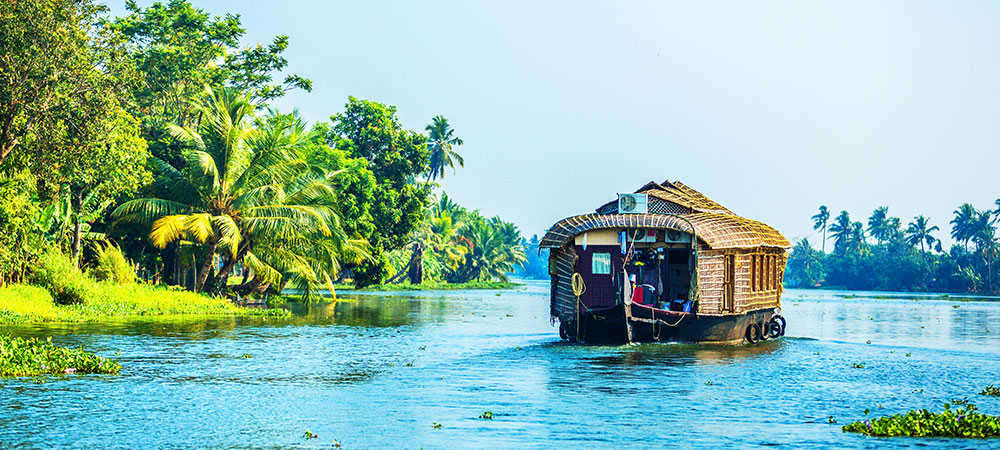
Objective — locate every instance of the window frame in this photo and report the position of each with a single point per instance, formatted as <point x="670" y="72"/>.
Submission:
<point x="593" y="261"/>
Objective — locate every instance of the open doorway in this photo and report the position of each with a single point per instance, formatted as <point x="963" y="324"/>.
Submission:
<point x="663" y="275"/>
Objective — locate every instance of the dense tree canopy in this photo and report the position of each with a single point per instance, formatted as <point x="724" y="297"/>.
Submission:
<point x="177" y="49"/>
<point x="152" y="132"/>
<point x="395" y="157"/>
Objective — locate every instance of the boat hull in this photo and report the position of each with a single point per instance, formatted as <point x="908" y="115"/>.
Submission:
<point x="655" y="325"/>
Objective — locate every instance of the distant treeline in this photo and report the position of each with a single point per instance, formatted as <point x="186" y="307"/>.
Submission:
<point x="886" y="256"/>
<point x="536" y="264"/>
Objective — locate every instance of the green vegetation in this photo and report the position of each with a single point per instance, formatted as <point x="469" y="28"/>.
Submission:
<point x="991" y="390"/>
<point x="886" y="256"/>
<point x="21" y="303"/>
<point x="33" y="357"/>
<point x="458" y="246"/>
<point x="965" y="422"/>
<point x="142" y="151"/>
<point x="62" y="293"/>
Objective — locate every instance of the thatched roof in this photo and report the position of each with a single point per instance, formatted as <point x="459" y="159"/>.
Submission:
<point x="715" y="225"/>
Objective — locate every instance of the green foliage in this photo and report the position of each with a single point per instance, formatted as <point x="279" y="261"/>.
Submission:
<point x="441" y="143"/>
<point x="48" y="67"/>
<point x="964" y="422"/>
<point x="536" y="260"/>
<point x="459" y="246"/>
<point x="30" y="357"/>
<point x="21" y="239"/>
<point x="177" y="49"/>
<point x="111" y="265"/>
<point x="494" y="249"/>
<point x="30" y="304"/>
<point x="805" y="266"/>
<point x="991" y="390"/>
<point x="910" y="260"/>
<point x="395" y="157"/>
<point x="248" y="194"/>
<point x="57" y="273"/>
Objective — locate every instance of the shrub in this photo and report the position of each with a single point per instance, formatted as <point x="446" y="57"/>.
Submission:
<point x="55" y="272"/>
<point x="112" y="266"/>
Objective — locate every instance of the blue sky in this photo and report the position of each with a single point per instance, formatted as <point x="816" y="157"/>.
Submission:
<point x="771" y="108"/>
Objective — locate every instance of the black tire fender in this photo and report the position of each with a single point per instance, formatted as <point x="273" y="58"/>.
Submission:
<point x="776" y="319"/>
<point x="753" y="333"/>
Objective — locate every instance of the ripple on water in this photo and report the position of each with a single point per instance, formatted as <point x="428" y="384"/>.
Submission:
<point x="379" y="370"/>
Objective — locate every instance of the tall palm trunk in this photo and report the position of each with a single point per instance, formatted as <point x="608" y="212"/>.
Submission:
<point x="76" y="200"/>
<point x="222" y="278"/>
<point x="206" y="266"/>
<point x="824" y="239"/>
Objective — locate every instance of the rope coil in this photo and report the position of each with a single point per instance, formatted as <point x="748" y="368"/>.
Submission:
<point x="579" y="287"/>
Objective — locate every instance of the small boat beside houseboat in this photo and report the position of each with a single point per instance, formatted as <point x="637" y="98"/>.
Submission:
<point x="666" y="263"/>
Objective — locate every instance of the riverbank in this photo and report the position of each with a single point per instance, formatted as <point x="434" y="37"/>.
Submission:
<point x="432" y="286"/>
<point x="34" y="357"/>
<point x="20" y="303"/>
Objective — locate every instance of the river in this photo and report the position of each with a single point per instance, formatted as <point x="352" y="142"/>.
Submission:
<point x="384" y="370"/>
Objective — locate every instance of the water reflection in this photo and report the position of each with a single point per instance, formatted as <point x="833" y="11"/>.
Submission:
<point x="370" y="311"/>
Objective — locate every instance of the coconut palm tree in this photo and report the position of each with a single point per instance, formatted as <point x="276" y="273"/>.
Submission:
<point x="442" y="142"/>
<point x="877" y="224"/>
<point x="918" y="232"/>
<point x="820" y="220"/>
<point x="961" y="225"/>
<point x="840" y="230"/>
<point x="984" y="236"/>
<point x="245" y="194"/>
<point x="494" y="250"/>
<point x="857" y="237"/>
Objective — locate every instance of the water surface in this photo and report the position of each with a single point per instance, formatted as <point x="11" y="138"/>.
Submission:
<point x="379" y="370"/>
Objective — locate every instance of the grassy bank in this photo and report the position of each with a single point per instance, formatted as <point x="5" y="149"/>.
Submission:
<point x="32" y="357"/>
<point x="431" y="286"/>
<point x="21" y="303"/>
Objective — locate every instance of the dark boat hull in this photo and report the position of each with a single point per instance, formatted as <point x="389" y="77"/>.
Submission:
<point x="655" y="325"/>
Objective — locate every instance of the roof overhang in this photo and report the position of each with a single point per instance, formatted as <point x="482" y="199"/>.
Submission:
<point x="717" y="230"/>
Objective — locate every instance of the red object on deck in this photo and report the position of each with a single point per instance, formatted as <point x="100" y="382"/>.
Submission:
<point x="637" y="295"/>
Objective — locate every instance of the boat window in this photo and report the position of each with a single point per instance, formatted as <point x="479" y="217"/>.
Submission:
<point x="601" y="264"/>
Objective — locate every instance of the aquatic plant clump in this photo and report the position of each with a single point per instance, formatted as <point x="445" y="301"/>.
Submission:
<point x="991" y="391"/>
<point x="965" y="422"/>
<point x="31" y="357"/>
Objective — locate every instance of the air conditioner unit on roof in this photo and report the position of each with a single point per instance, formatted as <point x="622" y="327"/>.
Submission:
<point x="633" y="204"/>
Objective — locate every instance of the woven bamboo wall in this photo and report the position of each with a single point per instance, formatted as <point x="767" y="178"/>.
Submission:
<point x="562" y="264"/>
<point x="748" y="299"/>
<point x="710" y="278"/>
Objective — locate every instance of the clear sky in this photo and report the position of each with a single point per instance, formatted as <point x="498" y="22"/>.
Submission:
<point x="770" y="108"/>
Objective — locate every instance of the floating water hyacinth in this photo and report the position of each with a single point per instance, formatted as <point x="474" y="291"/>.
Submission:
<point x="31" y="357"/>
<point x="965" y="422"/>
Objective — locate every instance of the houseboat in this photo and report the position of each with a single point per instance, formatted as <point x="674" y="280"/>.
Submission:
<point x="666" y="263"/>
